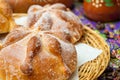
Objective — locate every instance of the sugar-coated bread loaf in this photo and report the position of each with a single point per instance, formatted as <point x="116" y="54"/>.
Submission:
<point x="31" y="54"/>
<point x="56" y="19"/>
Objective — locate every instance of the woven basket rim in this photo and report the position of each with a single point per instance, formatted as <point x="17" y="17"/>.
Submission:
<point x="93" y="69"/>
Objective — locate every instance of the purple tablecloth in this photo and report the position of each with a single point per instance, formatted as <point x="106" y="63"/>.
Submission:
<point x="111" y="33"/>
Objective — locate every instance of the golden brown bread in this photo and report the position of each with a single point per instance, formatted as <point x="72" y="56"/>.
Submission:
<point x="6" y="20"/>
<point x="31" y="54"/>
<point x="56" y="19"/>
<point x="20" y="6"/>
<point x="44" y="49"/>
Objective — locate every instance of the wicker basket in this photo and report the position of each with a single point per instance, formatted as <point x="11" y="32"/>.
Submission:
<point x="93" y="69"/>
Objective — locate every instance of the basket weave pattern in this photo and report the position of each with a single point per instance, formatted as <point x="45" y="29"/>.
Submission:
<point x="93" y="69"/>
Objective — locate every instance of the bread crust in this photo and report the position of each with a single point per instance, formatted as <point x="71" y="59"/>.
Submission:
<point x="20" y="6"/>
<point x="6" y="20"/>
